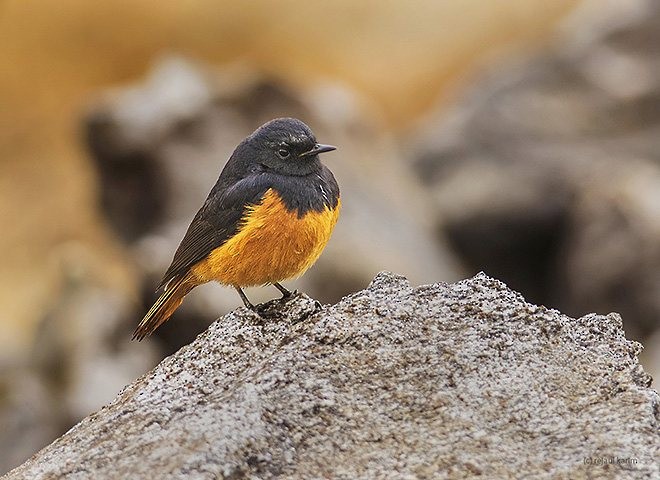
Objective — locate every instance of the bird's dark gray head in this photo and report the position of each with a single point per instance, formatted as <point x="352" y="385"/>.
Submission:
<point x="285" y="145"/>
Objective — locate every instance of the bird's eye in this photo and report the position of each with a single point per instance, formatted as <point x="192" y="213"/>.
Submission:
<point x="283" y="153"/>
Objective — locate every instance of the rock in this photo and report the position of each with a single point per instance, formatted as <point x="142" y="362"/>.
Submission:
<point x="546" y="172"/>
<point x="439" y="381"/>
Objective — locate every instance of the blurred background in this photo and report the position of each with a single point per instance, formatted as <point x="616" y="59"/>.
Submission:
<point x="518" y="137"/>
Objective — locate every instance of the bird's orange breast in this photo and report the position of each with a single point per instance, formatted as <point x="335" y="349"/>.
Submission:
<point x="273" y="244"/>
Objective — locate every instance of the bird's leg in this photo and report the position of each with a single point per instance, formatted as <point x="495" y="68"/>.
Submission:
<point x="285" y="293"/>
<point x="246" y="302"/>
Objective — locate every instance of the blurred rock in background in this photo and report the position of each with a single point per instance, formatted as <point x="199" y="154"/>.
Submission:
<point x="546" y="174"/>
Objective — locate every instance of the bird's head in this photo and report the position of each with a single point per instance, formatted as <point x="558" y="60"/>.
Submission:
<point x="285" y="146"/>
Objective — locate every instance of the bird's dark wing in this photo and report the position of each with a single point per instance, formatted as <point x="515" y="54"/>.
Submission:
<point x="216" y="222"/>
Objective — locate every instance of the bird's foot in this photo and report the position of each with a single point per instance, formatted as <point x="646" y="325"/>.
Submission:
<point x="286" y="293"/>
<point x="249" y="305"/>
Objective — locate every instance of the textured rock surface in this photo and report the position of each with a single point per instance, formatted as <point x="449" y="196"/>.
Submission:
<point x="439" y="381"/>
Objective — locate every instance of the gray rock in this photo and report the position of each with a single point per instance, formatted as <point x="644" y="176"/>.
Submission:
<point x="440" y="381"/>
<point x="546" y="172"/>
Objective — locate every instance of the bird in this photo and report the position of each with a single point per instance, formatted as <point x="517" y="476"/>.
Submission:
<point x="267" y="219"/>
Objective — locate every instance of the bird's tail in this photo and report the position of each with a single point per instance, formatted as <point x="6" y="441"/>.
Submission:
<point x="164" y="307"/>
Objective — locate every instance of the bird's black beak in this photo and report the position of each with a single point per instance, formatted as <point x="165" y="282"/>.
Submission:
<point x="318" y="148"/>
